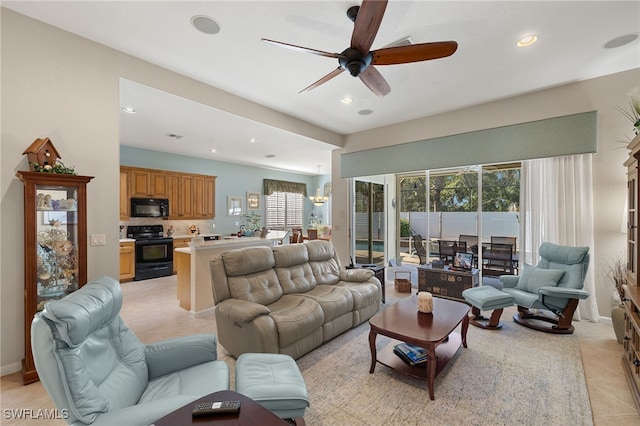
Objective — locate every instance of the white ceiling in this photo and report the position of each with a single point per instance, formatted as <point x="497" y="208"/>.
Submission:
<point x="487" y="65"/>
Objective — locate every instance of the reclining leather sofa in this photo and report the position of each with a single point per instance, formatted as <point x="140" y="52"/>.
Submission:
<point x="288" y="299"/>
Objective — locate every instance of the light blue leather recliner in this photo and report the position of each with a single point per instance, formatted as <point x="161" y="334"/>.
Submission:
<point x="554" y="284"/>
<point x="98" y="372"/>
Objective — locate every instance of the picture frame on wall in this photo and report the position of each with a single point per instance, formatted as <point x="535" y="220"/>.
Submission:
<point x="253" y="201"/>
<point x="234" y="206"/>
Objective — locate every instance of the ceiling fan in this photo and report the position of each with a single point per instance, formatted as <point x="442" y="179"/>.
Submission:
<point x="360" y="61"/>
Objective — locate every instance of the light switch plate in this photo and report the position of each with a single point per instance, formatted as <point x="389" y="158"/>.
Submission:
<point x="97" y="239"/>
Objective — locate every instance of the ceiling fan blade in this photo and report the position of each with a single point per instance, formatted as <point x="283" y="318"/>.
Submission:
<point x="323" y="79"/>
<point x="372" y="78"/>
<point x="367" y="23"/>
<point x="303" y="49"/>
<point x="413" y="53"/>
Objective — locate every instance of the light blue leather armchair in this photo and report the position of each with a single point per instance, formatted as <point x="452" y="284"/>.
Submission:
<point x="96" y="370"/>
<point x="555" y="285"/>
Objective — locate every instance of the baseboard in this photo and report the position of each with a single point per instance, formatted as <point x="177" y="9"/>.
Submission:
<point x="606" y="320"/>
<point x="201" y="313"/>
<point x="10" y="368"/>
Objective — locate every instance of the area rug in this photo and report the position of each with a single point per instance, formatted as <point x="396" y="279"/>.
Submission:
<point x="505" y="377"/>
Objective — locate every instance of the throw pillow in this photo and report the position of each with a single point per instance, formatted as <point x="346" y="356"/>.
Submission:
<point x="523" y="281"/>
<point x="543" y="278"/>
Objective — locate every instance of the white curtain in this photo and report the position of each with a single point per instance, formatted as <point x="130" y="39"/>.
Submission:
<point x="556" y="205"/>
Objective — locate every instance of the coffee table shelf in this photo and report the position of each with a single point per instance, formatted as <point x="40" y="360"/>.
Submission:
<point x="444" y="353"/>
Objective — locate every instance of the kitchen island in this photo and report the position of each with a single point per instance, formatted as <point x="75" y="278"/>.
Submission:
<point x="194" y="275"/>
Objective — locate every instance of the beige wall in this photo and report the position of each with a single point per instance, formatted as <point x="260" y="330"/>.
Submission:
<point x="64" y="87"/>
<point x="58" y="85"/>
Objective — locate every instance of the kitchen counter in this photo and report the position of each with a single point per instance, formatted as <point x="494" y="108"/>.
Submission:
<point x="194" y="273"/>
<point x="199" y="235"/>
<point x="127" y="240"/>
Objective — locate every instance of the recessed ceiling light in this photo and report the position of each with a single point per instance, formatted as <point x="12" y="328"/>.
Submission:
<point x="253" y="140"/>
<point x="527" y="41"/>
<point x="346" y="100"/>
<point x="620" y="41"/>
<point x="129" y="110"/>
<point x="365" y="111"/>
<point x="205" y="24"/>
<point x="212" y="150"/>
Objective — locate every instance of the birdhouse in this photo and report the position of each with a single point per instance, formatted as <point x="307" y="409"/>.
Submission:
<point x="43" y="152"/>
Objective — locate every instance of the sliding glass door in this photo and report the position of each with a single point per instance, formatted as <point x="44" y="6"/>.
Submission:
<point x="369" y="223"/>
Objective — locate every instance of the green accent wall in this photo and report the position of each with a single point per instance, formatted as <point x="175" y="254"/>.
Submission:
<point x="571" y="134"/>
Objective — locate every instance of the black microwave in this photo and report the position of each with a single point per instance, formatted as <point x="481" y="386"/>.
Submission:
<point x="149" y="207"/>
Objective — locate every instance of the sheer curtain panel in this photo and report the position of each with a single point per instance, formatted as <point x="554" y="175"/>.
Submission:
<point x="556" y="205"/>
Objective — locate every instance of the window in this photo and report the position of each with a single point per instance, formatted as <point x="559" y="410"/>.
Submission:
<point x="284" y="210"/>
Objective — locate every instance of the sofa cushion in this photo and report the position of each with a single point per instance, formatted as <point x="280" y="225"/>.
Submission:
<point x="323" y="261"/>
<point x="296" y="279"/>
<point x="334" y="300"/>
<point x="290" y="255"/>
<point x="260" y="287"/>
<point x="295" y="317"/>
<point x="248" y="260"/>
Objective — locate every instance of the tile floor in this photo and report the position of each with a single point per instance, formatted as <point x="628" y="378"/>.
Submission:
<point x="151" y="310"/>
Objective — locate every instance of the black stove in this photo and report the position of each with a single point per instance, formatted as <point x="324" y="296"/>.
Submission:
<point x="154" y="251"/>
<point x="146" y="232"/>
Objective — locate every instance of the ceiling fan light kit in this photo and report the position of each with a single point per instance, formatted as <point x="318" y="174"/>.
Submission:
<point x="360" y="61"/>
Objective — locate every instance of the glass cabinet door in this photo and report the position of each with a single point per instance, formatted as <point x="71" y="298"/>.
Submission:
<point x="57" y="249"/>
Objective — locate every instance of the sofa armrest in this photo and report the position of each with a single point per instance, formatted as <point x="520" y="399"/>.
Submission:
<point x="356" y="275"/>
<point x="241" y="311"/>
<point x="563" y="292"/>
<point x="179" y="353"/>
<point x="509" y="281"/>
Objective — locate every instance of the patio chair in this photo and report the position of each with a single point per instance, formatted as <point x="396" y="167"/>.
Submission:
<point x="447" y="249"/>
<point x="418" y="244"/>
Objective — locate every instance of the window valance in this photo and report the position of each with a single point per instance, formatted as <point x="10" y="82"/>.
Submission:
<point x="270" y="186"/>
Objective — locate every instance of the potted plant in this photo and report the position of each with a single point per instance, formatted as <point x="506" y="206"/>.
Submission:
<point x="633" y="112"/>
<point x="617" y="273"/>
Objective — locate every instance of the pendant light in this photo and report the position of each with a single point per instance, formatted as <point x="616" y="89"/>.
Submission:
<point x="318" y="199"/>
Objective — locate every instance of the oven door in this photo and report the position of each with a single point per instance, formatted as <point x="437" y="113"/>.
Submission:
<point x="154" y="258"/>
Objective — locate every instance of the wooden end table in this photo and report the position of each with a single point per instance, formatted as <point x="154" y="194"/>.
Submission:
<point x="434" y="332"/>
<point x="251" y="413"/>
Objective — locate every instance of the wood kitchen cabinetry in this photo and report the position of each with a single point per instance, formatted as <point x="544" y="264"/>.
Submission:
<point x="631" y="341"/>
<point x="127" y="261"/>
<point x="178" y="243"/>
<point x="191" y="196"/>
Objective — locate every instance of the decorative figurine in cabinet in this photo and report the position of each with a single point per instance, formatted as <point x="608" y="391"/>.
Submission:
<point x="55" y="245"/>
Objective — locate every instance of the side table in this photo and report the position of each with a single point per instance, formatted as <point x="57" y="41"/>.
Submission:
<point x="378" y="272"/>
<point x="251" y="413"/>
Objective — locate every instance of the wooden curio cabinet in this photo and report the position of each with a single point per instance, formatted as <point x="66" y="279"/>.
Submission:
<point x="55" y="245"/>
<point x="631" y="302"/>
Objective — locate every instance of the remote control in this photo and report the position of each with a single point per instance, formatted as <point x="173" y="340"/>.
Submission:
<point x="219" y="407"/>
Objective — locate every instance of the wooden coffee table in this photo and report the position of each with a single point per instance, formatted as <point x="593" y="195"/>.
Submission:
<point x="251" y="413"/>
<point x="433" y="332"/>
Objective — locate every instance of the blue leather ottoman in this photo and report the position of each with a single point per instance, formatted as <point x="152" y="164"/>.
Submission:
<point x="485" y="298"/>
<point x="275" y="382"/>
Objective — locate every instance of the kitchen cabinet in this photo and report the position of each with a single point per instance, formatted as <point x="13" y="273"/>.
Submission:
<point x="125" y="205"/>
<point x="204" y="196"/>
<point x="147" y="183"/>
<point x="178" y="243"/>
<point x="191" y="196"/>
<point x="127" y="261"/>
<point x="55" y="245"/>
